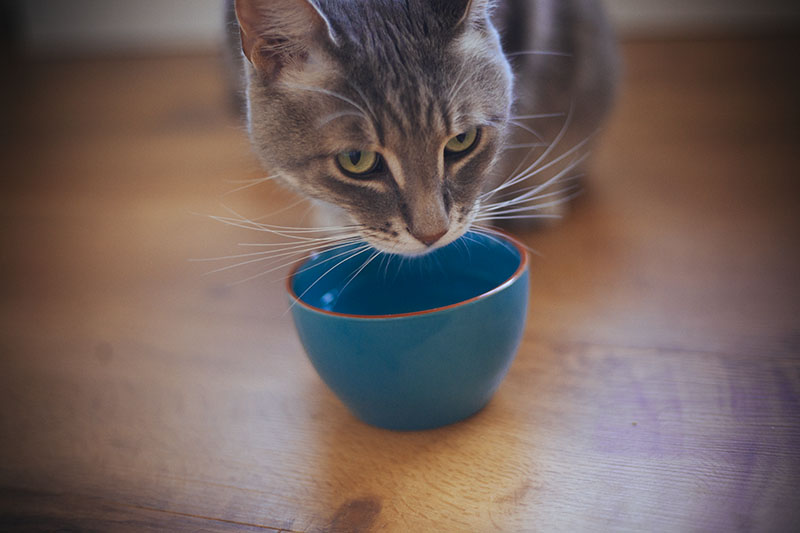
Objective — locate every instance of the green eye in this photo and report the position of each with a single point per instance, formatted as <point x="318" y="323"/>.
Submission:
<point x="358" y="162"/>
<point x="462" y="142"/>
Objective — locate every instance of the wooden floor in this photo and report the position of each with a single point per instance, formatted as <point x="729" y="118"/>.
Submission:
<point x="657" y="387"/>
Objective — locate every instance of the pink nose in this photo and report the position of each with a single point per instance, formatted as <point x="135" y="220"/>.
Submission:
<point x="428" y="240"/>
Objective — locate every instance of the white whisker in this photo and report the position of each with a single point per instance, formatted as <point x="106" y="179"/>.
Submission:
<point x="254" y="226"/>
<point x="510" y="217"/>
<point x="531" y="191"/>
<point x="291" y="248"/>
<point x="543" y="205"/>
<point x="524" y="145"/>
<point x="251" y="180"/>
<point x="311" y="241"/>
<point x="495" y="208"/>
<point x="540" y="115"/>
<point x="283" y="209"/>
<point x="526" y="128"/>
<point x="274" y="256"/>
<point x="331" y="249"/>
<point x="357" y="272"/>
<point x="557" y="176"/>
<point x="549" y="146"/>
<point x="516" y="179"/>
<point x="251" y="183"/>
<point x="293" y="261"/>
<point x="492" y="233"/>
<point x="468" y="238"/>
<point x="360" y="251"/>
<point x="300" y="233"/>
<point x="516" y="194"/>
<point x="277" y="248"/>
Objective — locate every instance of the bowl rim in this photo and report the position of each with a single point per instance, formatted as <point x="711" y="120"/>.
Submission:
<point x="521" y="268"/>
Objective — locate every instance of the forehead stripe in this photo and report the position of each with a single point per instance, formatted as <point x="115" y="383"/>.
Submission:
<point x="396" y="169"/>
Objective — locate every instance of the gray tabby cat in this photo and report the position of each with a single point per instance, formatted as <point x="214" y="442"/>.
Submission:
<point x="414" y="119"/>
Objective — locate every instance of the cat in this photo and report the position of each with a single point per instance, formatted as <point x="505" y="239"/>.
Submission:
<point x="412" y="121"/>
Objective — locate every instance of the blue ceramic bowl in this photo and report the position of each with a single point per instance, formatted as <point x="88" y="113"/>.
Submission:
<point x="413" y="343"/>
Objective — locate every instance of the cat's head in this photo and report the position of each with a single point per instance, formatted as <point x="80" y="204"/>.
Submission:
<point x="394" y="111"/>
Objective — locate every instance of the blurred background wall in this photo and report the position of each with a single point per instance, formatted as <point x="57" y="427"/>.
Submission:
<point x="109" y="26"/>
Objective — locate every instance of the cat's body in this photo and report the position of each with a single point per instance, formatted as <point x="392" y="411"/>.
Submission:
<point x="402" y="114"/>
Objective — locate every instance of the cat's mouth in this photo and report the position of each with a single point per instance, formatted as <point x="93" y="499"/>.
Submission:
<point x="410" y="249"/>
<point x="404" y="243"/>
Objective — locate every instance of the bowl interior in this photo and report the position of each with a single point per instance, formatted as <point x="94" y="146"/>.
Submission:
<point x="353" y="280"/>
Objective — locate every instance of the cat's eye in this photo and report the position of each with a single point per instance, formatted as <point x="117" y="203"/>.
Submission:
<point x="358" y="162"/>
<point x="461" y="143"/>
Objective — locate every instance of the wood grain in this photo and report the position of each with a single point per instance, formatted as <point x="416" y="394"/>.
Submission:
<point x="657" y="387"/>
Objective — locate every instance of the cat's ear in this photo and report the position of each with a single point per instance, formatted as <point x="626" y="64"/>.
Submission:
<point x="458" y="13"/>
<point x="276" y="33"/>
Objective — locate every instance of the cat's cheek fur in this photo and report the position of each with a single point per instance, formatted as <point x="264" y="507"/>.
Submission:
<point x="468" y="179"/>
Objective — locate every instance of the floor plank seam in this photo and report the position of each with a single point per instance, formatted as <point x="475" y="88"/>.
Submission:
<point x="210" y="518"/>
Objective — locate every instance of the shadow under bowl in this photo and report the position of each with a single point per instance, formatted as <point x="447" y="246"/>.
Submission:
<point x="413" y="343"/>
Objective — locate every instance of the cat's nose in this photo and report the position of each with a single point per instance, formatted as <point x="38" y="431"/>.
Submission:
<point x="431" y="238"/>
